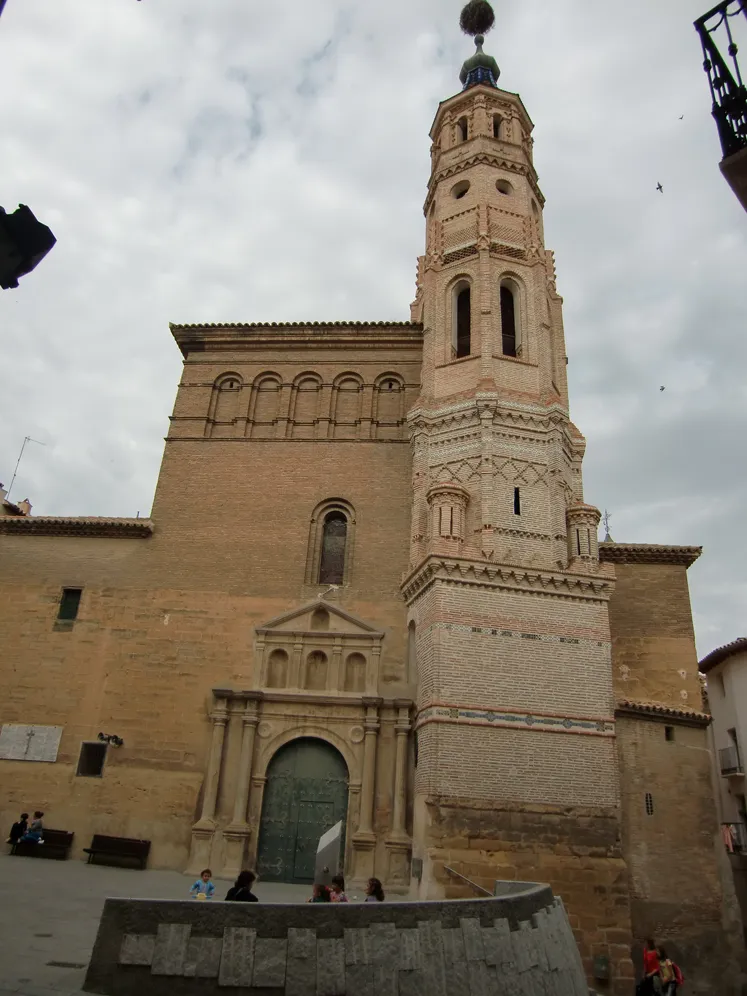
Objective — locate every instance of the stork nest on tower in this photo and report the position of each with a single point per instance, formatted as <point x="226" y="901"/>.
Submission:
<point x="477" y="17"/>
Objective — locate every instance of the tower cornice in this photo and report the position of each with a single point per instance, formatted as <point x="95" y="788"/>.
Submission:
<point x="491" y="94"/>
<point x="486" y="574"/>
<point x="487" y="159"/>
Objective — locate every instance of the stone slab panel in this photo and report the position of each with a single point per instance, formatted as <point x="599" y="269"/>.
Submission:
<point x="270" y="957"/>
<point x="434" y="966"/>
<point x="330" y="967"/>
<point x="357" y="946"/>
<point x="137" y="949"/>
<point x="359" y="981"/>
<point x="170" y="951"/>
<point x="237" y="957"/>
<point x="453" y="945"/>
<point x="203" y="957"/>
<point x="457" y="980"/>
<point x="472" y="934"/>
<point x="409" y="950"/>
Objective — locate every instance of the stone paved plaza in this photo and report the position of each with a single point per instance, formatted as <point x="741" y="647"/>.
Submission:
<point x="50" y="913"/>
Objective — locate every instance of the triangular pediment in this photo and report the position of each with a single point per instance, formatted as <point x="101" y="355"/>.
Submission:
<point x="320" y="616"/>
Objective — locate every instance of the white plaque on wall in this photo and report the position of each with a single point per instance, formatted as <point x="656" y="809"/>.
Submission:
<point x="29" y="743"/>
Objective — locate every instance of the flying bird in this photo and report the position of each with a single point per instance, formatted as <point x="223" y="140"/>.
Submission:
<point x="662" y="389"/>
<point x="681" y="116"/>
<point x="660" y="188"/>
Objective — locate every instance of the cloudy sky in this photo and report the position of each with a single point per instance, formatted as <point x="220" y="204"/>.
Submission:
<point x="231" y="160"/>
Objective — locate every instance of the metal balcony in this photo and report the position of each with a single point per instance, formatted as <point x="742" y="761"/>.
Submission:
<point x="730" y="763"/>
<point x="728" y="92"/>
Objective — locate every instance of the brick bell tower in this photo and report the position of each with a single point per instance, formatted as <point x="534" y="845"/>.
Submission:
<point x="516" y="771"/>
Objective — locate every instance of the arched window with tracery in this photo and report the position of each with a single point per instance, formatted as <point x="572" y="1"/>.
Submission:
<point x="334" y="535"/>
<point x="330" y="552"/>
<point x="509" y="325"/>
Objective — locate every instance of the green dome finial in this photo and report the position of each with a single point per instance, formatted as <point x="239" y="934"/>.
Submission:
<point x="477" y="17"/>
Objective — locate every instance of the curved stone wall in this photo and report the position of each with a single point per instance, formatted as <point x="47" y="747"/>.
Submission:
<point x="516" y="943"/>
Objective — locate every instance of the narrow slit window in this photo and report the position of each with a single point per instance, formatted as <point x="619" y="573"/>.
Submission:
<point x="578" y="542"/>
<point x="517" y="501"/>
<point x="496" y="126"/>
<point x="669" y="733"/>
<point x="508" y="321"/>
<point x="69" y="603"/>
<point x="463" y="129"/>
<point x="464" y="322"/>
<point x="91" y="760"/>
<point x="649" y="804"/>
<point x="332" y="566"/>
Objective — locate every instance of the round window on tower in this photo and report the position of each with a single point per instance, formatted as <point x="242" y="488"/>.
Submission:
<point x="460" y="189"/>
<point x="504" y="187"/>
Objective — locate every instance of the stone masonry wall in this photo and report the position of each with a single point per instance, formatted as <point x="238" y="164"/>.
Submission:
<point x="516" y="943"/>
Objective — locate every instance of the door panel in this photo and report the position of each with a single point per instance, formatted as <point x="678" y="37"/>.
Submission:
<point x="306" y="794"/>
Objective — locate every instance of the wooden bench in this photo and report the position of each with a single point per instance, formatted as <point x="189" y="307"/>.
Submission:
<point x="57" y="844"/>
<point x="118" y="847"/>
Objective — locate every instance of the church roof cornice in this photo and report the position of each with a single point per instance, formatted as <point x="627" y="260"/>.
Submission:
<point x="648" y="553"/>
<point x="95" y="526"/>
<point x="213" y="335"/>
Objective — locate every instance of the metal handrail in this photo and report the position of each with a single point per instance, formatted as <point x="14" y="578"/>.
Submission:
<point x="473" y="885"/>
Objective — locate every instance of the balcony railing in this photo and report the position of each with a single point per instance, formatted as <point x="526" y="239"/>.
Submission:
<point x="730" y="762"/>
<point x="727" y="89"/>
<point x="735" y="837"/>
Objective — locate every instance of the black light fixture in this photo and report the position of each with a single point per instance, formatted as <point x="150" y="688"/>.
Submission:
<point x="111" y="738"/>
<point x="24" y="242"/>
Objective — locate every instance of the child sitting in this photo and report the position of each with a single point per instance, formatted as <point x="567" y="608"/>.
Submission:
<point x="203" y="887"/>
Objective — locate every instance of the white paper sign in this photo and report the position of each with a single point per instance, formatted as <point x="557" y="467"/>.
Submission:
<point x="29" y="743"/>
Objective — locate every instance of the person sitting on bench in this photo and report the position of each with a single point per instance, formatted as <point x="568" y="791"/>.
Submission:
<point x="18" y="829"/>
<point x="36" y="831"/>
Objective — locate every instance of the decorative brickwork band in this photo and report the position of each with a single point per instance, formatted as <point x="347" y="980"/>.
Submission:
<point x="602" y="727"/>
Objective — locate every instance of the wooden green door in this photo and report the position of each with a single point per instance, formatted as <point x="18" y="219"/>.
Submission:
<point x="306" y="794"/>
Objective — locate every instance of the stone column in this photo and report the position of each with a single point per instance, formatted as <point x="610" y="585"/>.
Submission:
<point x="398" y="842"/>
<point x="364" y="840"/>
<point x="204" y="829"/>
<point x="402" y="730"/>
<point x="239" y="830"/>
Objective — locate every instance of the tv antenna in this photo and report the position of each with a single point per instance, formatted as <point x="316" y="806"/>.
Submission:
<point x="26" y="439"/>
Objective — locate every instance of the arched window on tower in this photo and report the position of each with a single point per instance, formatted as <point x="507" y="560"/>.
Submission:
<point x="334" y="536"/>
<point x="463" y="129"/>
<point x="462" y="320"/>
<point x="496" y="126"/>
<point x="508" y="320"/>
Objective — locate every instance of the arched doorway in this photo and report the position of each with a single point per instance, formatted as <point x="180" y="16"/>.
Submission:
<point x="306" y="794"/>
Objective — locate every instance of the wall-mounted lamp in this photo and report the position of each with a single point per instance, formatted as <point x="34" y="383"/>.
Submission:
<point x="111" y="738"/>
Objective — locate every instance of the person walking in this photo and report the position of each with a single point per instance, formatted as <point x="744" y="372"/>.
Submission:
<point x="241" y="891"/>
<point x="651" y="982"/>
<point x="374" y="891"/>
<point x="671" y="976"/>
<point x="18" y="829"/>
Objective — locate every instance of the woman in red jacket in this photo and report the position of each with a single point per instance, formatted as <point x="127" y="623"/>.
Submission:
<point x="651" y="968"/>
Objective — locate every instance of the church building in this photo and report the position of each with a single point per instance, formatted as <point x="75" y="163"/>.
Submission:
<point x="397" y="614"/>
